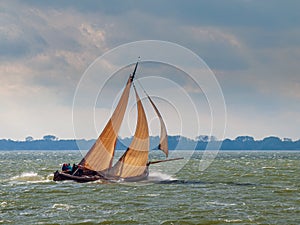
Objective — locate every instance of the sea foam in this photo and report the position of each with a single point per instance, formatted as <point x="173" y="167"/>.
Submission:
<point x="30" y="177"/>
<point x="158" y="176"/>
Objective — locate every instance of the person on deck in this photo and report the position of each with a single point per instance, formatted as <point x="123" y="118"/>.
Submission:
<point x="74" y="168"/>
<point x="69" y="168"/>
<point x="64" y="167"/>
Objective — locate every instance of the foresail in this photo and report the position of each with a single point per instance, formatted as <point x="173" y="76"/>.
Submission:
<point x="134" y="161"/>
<point x="101" y="154"/>
<point x="163" y="143"/>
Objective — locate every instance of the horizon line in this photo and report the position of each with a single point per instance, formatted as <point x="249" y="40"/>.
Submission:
<point x="213" y="138"/>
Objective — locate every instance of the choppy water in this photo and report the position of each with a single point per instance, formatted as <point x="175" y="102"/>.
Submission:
<point x="238" y="188"/>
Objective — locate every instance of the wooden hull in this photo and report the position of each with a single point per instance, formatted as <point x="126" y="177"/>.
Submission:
<point x="61" y="176"/>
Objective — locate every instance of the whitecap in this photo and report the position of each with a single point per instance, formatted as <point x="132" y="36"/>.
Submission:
<point x="153" y="195"/>
<point x="61" y="206"/>
<point x="26" y="176"/>
<point x="232" y="221"/>
<point x="3" y="204"/>
<point x="31" y="177"/>
<point x="221" y="203"/>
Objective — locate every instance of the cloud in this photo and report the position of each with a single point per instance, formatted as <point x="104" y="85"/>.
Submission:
<point x="253" y="46"/>
<point x="221" y="49"/>
<point x="48" y="48"/>
<point x="95" y="36"/>
<point x="215" y="35"/>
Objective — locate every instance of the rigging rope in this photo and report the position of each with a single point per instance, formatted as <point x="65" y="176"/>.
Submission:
<point x="142" y="88"/>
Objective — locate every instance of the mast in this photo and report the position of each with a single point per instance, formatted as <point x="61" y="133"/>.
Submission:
<point x="136" y="65"/>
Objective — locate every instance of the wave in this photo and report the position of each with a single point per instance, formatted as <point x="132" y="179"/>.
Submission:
<point x="60" y="206"/>
<point x="31" y="177"/>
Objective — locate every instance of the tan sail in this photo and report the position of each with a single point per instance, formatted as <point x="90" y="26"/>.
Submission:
<point x="163" y="143"/>
<point x="101" y="154"/>
<point x="134" y="161"/>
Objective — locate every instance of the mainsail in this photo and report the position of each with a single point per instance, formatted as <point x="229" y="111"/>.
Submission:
<point x="100" y="156"/>
<point x="134" y="161"/>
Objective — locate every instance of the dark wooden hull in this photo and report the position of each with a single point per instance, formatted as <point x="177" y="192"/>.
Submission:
<point x="61" y="176"/>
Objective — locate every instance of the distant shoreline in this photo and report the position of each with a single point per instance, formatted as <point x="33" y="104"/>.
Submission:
<point x="241" y="143"/>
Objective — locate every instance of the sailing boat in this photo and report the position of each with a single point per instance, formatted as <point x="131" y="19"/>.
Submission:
<point x="133" y="165"/>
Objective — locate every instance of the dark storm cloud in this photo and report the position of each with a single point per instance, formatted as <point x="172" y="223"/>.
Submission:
<point x="258" y="24"/>
<point x="274" y="14"/>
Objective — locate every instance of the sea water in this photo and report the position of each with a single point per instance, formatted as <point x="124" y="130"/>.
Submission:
<point x="237" y="188"/>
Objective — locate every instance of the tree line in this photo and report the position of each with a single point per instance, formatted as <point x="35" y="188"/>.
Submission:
<point x="51" y="142"/>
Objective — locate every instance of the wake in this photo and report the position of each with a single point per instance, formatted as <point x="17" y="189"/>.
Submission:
<point x="158" y="176"/>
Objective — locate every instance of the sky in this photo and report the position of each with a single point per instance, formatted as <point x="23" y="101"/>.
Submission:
<point x="252" y="47"/>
